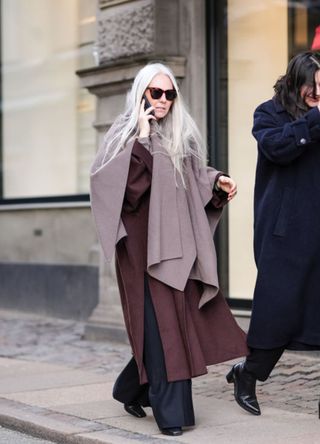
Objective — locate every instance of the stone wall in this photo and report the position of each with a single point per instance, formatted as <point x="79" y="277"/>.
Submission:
<point x="126" y="30"/>
<point x="49" y="261"/>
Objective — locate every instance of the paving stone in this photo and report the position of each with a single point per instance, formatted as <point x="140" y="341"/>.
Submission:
<point x="51" y="373"/>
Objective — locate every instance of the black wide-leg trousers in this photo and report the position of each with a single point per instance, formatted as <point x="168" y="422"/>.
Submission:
<point x="171" y="402"/>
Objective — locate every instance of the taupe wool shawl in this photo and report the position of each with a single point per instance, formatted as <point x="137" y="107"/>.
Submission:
<point x="180" y="231"/>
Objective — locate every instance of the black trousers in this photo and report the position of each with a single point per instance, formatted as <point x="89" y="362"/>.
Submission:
<point x="261" y="362"/>
<point x="171" y="402"/>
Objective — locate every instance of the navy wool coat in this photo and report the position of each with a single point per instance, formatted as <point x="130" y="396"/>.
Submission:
<point x="286" y="305"/>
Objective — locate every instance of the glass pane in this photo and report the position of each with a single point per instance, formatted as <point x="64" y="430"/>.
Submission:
<point x="257" y="55"/>
<point x="48" y="139"/>
<point x="261" y="38"/>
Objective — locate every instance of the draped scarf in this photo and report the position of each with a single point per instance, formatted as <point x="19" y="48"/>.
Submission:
<point x="181" y="221"/>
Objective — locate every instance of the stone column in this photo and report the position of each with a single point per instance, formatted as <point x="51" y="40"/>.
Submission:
<point x="131" y="34"/>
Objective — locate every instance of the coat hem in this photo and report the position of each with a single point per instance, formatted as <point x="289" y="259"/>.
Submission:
<point x="292" y="345"/>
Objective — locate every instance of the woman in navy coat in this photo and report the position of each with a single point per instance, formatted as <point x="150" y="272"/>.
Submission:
<point x="286" y="304"/>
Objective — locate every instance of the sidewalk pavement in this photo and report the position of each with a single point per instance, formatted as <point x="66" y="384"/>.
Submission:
<point x="56" y="386"/>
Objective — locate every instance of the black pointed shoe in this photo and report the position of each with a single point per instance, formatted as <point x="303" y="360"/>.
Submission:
<point x="135" y="410"/>
<point x="172" y="431"/>
<point x="244" y="388"/>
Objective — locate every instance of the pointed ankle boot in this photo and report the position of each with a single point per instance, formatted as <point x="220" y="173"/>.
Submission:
<point x="244" y="388"/>
<point x="135" y="410"/>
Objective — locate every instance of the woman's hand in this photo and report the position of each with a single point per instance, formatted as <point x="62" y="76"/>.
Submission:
<point x="227" y="185"/>
<point x="144" y="117"/>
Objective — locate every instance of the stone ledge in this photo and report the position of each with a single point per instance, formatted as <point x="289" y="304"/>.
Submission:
<point x="121" y="73"/>
<point x="57" y="290"/>
<point x="65" y="429"/>
<point x="45" y="424"/>
<point x="95" y="331"/>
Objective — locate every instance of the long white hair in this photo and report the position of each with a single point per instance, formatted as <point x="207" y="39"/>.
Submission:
<point x="180" y="134"/>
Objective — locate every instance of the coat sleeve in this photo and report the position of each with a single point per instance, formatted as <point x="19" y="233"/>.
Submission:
<point x="219" y="197"/>
<point x="207" y="178"/>
<point x="139" y="177"/>
<point x="279" y="142"/>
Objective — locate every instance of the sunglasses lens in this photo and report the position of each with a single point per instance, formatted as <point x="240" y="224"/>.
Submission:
<point x="156" y="93"/>
<point x="171" y="94"/>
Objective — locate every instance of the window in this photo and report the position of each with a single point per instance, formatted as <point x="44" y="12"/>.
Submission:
<point x="47" y="137"/>
<point x="249" y="46"/>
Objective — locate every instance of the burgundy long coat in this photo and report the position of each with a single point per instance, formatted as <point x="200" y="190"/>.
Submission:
<point x="192" y="338"/>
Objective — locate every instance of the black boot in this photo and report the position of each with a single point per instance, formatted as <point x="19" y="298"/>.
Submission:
<point x="135" y="410"/>
<point x="244" y="388"/>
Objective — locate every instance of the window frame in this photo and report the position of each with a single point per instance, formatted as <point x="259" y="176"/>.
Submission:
<point x="217" y="118"/>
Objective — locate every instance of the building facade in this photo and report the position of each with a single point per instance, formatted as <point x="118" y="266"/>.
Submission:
<point x="66" y="67"/>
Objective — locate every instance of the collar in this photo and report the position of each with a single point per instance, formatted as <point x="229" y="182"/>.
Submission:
<point x="278" y="107"/>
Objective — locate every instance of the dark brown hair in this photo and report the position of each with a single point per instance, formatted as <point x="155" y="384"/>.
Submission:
<point x="301" y="71"/>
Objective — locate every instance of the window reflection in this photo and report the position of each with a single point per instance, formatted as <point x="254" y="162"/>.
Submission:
<point x="47" y="137"/>
<point x="262" y="36"/>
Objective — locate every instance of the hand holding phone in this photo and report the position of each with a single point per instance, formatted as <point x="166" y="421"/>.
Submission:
<point x="144" y="118"/>
<point x="147" y="105"/>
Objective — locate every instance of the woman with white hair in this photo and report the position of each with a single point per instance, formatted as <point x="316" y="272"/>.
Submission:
<point x="157" y="203"/>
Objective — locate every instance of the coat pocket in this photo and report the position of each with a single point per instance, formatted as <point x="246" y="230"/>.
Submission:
<point x="284" y="213"/>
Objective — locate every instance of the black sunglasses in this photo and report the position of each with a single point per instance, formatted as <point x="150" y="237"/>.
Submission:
<point x="156" y="93"/>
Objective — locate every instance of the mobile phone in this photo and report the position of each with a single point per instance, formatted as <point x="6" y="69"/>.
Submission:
<point x="147" y="105"/>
